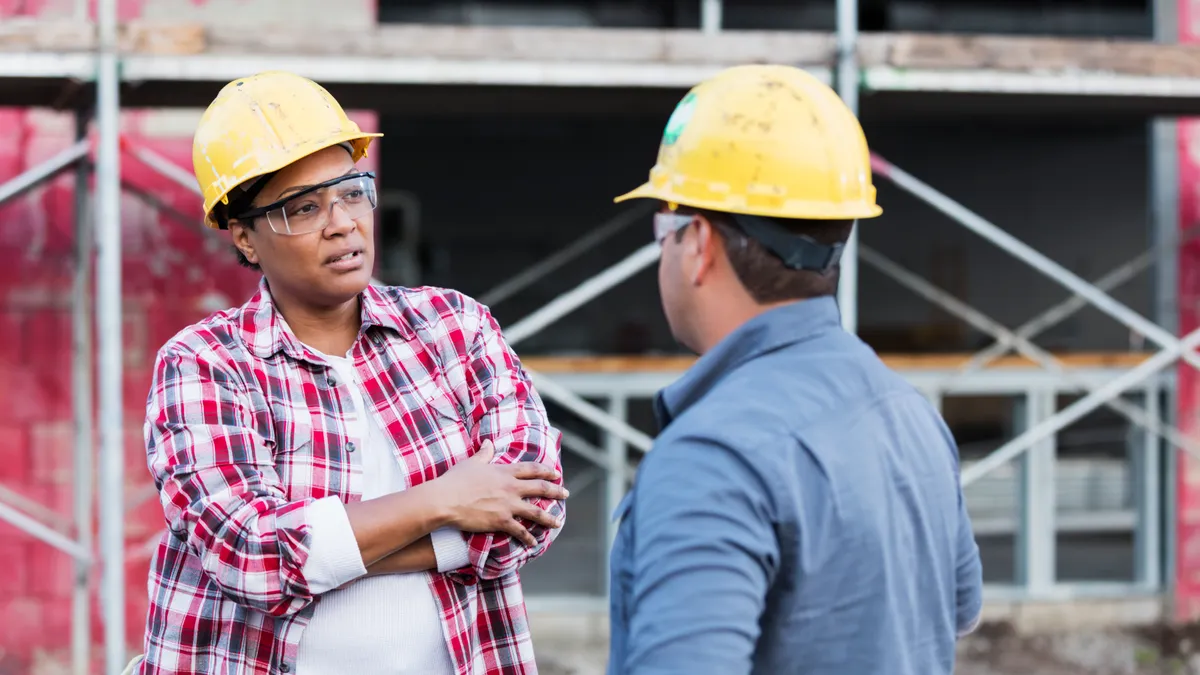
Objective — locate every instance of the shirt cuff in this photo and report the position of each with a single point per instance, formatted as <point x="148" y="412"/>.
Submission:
<point x="450" y="549"/>
<point x="333" y="558"/>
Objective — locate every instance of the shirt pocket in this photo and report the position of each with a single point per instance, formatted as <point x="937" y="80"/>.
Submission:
<point x="295" y="460"/>
<point x="431" y="436"/>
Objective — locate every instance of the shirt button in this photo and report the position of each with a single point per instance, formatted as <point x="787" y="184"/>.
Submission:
<point x="350" y="446"/>
<point x="285" y="668"/>
<point x="331" y="380"/>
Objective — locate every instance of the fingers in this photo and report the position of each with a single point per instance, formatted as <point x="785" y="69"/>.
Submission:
<point x="517" y="530"/>
<point x="542" y="488"/>
<point x="538" y="516"/>
<point x="533" y="470"/>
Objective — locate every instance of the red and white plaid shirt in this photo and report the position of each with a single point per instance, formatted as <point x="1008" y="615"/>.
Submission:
<point x="245" y="429"/>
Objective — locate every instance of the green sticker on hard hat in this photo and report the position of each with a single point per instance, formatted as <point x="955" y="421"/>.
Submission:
<point x="679" y="119"/>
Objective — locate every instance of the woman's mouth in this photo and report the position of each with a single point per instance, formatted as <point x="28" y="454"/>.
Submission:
<point x="346" y="262"/>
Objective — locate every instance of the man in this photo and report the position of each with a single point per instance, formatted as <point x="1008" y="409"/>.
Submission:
<point x="800" y="511"/>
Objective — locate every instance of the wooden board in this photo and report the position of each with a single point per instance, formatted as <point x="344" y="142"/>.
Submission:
<point x="901" y="362"/>
<point x="24" y="34"/>
<point x="911" y="51"/>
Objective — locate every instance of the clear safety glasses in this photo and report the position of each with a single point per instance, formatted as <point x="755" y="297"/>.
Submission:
<point x="311" y="209"/>
<point x="667" y="223"/>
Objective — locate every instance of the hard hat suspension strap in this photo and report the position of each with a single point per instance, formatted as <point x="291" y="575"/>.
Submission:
<point x="797" y="251"/>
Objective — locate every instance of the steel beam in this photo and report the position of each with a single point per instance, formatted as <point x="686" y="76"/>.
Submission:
<point x="43" y="172"/>
<point x="38" y="530"/>
<point x="614" y="481"/>
<point x="847" y="82"/>
<point x="573" y="402"/>
<point x="1165" y="228"/>
<point x="108" y="316"/>
<point x="1029" y="255"/>
<point x="710" y="16"/>
<point x="1083" y="406"/>
<point x="584" y="244"/>
<point x="1058" y="313"/>
<point x="581" y="294"/>
<point x="1038" y="531"/>
<point x="163" y="166"/>
<point x="81" y="404"/>
<point x="35" y="509"/>
<point x="1036" y="354"/>
<point x="1147" y="474"/>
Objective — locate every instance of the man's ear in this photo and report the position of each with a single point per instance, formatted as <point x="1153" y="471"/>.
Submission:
<point x="242" y="240"/>
<point x="704" y="247"/>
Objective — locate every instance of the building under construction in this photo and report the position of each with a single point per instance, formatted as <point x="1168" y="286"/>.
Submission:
<point x="1035" y="271"/>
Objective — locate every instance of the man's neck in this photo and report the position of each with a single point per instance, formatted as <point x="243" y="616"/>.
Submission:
<point x="731" y="316"/>
<point x="330" y="330"/>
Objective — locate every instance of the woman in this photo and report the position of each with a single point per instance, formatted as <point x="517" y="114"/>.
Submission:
<point x="351" y="474"/>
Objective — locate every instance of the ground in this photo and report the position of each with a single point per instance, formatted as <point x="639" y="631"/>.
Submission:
<point x="994" y="650"/>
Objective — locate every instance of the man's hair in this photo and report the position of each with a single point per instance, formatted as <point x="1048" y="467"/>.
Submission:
<point x="762" y="273"/>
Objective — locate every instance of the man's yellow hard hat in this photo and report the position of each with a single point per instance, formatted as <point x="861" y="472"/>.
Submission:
<point x="764" y="140"/>
<point x="258" y="125"/>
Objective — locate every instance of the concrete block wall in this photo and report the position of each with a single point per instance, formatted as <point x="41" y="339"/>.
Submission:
<point x="173" y="275"/>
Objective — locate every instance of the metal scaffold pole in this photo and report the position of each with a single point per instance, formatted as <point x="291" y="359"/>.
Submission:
<point x="108" y="315"/>
<point x="847" y="88"/>
<point x="81" y="400"/>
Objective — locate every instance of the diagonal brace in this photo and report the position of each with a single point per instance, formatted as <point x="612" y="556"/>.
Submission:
<point x="1043" y="358"/>
<point x="1026" y="253"/>
<point x="44" y="171"/>
<point x="1083" y="406"/>
<point x="581" y="294"/>
<point x="39" y="531"/>
<point x="1058" y="313"/>
<point x="576" y="404"/>
<point x="586" y="243"/>
<point x="1172" y="347"/>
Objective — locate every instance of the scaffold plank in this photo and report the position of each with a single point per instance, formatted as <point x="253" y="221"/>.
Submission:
<point x="394" y="54"/>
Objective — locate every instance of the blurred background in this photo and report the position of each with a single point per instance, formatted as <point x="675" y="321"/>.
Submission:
<point x="1057" y="131"/>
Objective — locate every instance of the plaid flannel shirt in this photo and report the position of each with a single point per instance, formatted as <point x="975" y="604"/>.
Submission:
<point x="245" y="429"/>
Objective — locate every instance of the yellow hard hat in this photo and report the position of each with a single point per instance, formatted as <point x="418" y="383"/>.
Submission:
<point x="259" y="124"/>
<point x="764" y="140"/>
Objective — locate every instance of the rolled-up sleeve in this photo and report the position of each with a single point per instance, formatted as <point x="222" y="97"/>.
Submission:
<point x="218" y="486"/>
<point x="705" y="553"/>
<point x="450" y="549"/>
<point x="506" y="410"/>
<point x="334" y="558"/>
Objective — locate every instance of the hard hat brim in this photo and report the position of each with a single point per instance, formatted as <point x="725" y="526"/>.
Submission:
<point x="643" y="191"/>
<point x="861" y="211"/>
<point x="350" y="137"/>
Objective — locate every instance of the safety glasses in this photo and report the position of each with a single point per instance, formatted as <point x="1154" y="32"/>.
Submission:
<point x="666" y="223"/>
<point x="311" y="209"/>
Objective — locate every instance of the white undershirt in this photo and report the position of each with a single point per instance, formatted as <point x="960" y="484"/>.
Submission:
<point x="382" y="625"/>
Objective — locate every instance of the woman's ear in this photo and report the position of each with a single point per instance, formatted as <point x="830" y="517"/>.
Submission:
<point x="242" y="240"/>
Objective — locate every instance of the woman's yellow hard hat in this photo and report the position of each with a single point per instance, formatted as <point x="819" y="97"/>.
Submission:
<point x="764" y="140"/>
<point x="258" y="125"/>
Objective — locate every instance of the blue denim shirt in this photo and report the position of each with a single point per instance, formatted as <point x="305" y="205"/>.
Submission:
<point x="800" y="512"/>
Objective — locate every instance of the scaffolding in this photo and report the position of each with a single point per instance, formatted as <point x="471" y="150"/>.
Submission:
<point x="873" y="64"/>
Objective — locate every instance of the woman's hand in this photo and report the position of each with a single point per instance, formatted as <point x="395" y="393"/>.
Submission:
<point x="478" y="496"/>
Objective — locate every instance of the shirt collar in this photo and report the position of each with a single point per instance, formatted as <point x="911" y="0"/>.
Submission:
<point x="765" y="333"/>
<point x="265" y="331"/>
